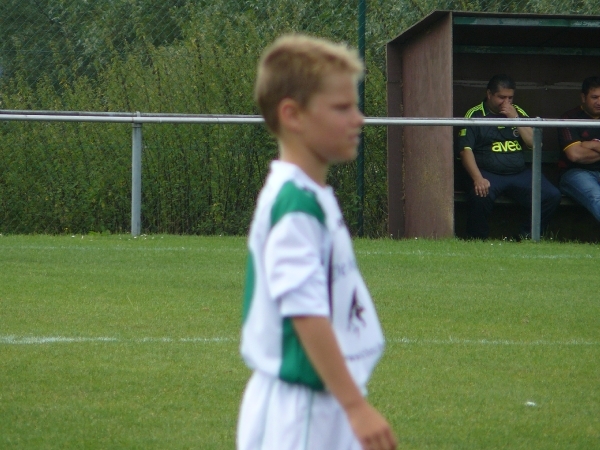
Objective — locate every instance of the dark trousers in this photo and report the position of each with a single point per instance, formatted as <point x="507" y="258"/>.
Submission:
<point x="516" y="187"/>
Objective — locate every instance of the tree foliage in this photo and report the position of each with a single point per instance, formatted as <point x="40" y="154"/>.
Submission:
<point x="173" y="56"/>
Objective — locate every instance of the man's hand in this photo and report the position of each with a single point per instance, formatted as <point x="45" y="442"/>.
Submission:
<point x="481" y="186"/>
<point x="509" y="111"/>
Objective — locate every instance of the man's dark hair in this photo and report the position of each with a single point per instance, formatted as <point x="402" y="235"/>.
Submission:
<point x="590" y="83"/>
<point x="501" y="81"/>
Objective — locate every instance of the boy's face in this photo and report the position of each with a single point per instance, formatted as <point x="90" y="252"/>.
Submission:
<point x="333" y="121"/>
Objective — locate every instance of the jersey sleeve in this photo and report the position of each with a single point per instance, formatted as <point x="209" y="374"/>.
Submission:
<point x="568" y="136"/>
<point x="521" y="112"/>
<point x="466" y="139"/>
<point x="295" y="269"/>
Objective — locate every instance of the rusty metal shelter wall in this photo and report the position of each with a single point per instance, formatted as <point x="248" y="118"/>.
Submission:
<point x="440" y="68"/>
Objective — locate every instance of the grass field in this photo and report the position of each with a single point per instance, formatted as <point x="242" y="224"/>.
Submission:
<point x="110" y="342"/>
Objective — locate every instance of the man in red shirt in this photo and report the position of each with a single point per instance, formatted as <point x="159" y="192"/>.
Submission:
<point x="580" y="156"/>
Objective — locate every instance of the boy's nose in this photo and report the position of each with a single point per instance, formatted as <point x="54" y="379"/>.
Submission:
<point x="360" y="117"/>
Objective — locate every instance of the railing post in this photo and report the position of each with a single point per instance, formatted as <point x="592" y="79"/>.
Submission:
<point x="536" y="185"/>
<point x="360" y="160"/>
<point x="136" y="178"/>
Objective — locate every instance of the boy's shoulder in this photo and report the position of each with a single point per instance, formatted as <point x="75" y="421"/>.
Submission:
<point x="287" y="190"/>
<point x="294" y="197"/>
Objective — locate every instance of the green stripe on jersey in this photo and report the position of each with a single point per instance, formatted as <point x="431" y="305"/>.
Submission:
<point x="474" y="109"/>
<point x="291" y="199"/>
<point x="295" y="365"/>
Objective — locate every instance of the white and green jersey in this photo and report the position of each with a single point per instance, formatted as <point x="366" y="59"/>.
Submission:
<point x="301" y="263"/>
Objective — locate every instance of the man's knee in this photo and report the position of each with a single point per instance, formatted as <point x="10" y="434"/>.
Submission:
<point x="552" y="195"/>
<point x="481" y="204"/>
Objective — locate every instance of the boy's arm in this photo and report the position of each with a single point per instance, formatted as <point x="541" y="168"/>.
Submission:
<point x="319" y="342"/>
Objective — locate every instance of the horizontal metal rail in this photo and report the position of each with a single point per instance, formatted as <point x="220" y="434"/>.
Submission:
<point x="79" y="116"/>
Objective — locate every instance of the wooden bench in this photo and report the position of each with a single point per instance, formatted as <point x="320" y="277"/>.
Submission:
<point x="571" y="222"/>
<point x="461" y="196"/>
<point x="549" y="169"/>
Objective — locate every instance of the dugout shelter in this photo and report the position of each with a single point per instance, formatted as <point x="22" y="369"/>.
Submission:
<point x="439" y="68"/>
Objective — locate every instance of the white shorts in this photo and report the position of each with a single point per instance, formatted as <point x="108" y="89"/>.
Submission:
<point x="276" y="415"/>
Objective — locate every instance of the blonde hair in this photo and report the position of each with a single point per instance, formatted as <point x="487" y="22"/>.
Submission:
<point x="294" y="67"/>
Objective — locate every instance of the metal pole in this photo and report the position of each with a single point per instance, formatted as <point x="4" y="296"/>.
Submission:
<point x="360" y="160"/>
<point x="136" y="179"/>
<point x="536" y="185"/>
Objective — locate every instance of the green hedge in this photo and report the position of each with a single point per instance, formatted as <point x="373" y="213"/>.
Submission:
<point x="172" y="56"/>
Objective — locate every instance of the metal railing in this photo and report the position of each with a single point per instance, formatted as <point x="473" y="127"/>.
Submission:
<point x="138" y="119"/>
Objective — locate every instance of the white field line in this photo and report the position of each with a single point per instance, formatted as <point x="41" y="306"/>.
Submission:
<point x="499" y="342"/>
<point x="425" y="253"/>
<point x="124" y="248"/>
<point x="23" y="340"/>
<point x="33" y="340"/>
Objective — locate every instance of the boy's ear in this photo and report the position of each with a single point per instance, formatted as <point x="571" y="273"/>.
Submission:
<point x="290" y="114"/>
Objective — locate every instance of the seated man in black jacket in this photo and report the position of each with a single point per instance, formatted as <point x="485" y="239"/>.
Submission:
<point x="493" y="158"/>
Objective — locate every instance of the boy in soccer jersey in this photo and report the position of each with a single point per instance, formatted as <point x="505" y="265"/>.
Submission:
<point x="493" y="158"/>
<point x="310" y="331"/>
